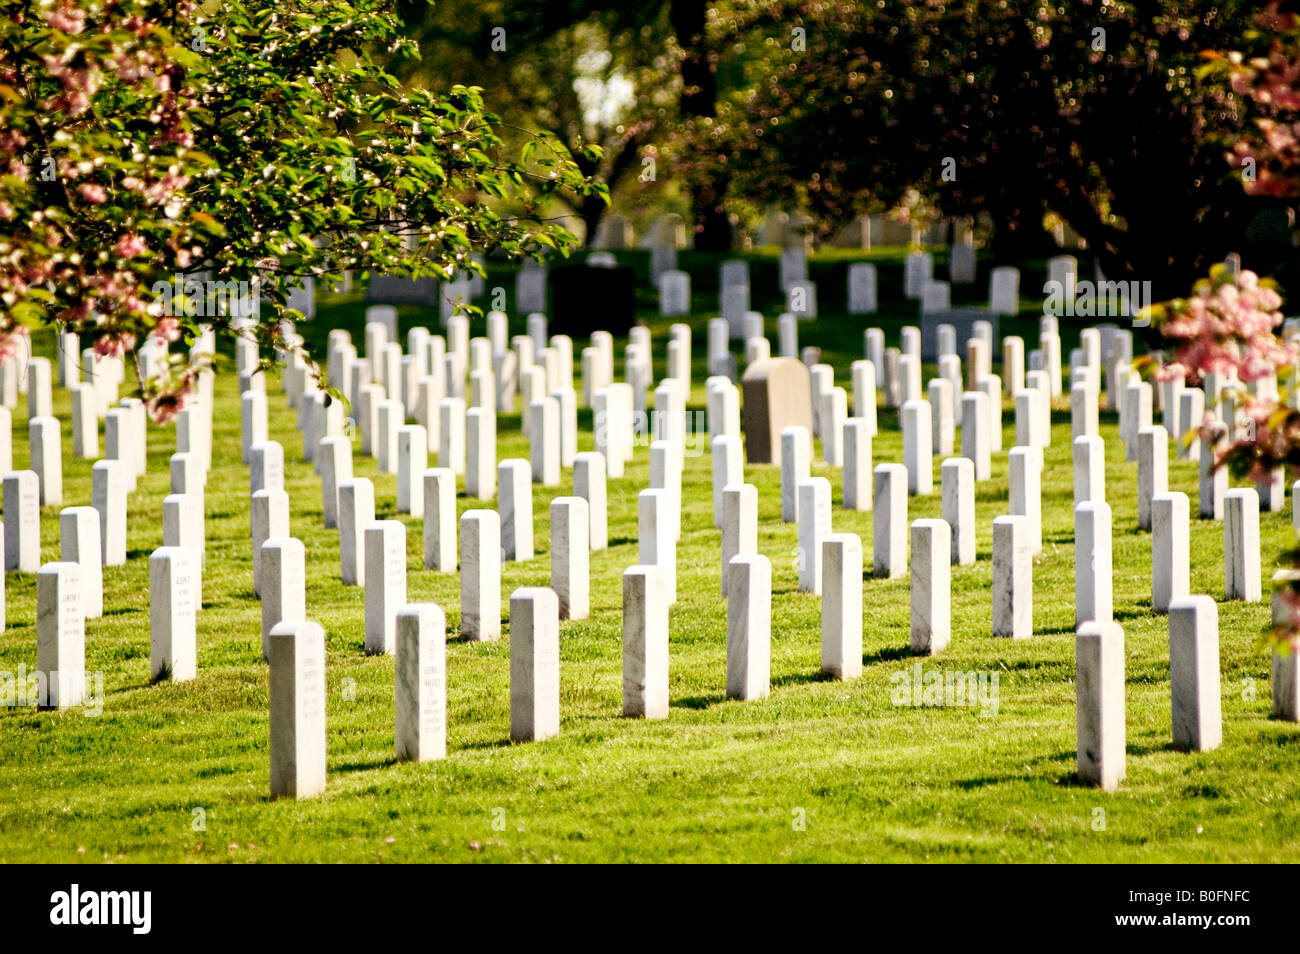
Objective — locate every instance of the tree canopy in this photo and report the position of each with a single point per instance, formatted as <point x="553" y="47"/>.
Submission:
<point x="251" y="141"/>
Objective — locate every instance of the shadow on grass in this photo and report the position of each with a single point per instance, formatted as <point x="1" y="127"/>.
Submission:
<point x="971" y="784"/>
<point x="984" y="781"/>
<point x="1141" y="612"/>
<point x="700" y="702"/>
<point x="484" y="746"/>
<point x="365" y="766"/>
<point x="121" y="611"/>
<point x="1054" y="631"/>
<point x="1169" y="746"/>
<point x="148" y="683"/>
<point x="793" y="590"/>
<point x="503" y="636"/>
<point x="1070" y="778"/>
<point x="888" y="654"/>
<point x="802" y="678"/>
<point x="621" y="541"/>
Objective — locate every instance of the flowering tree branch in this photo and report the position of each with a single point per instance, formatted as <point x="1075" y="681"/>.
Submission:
<point x="254" y="141"/>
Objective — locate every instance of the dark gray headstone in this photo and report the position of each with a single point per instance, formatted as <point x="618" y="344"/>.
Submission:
<point x="962" y="319"/>
<point x="392" y="290"/>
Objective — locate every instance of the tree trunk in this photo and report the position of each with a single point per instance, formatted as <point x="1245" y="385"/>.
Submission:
<point x="592" y="210"/>
<point x="700" y="99"/>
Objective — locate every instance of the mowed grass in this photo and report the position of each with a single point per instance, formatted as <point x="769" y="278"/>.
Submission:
<point x="818" y="771"/>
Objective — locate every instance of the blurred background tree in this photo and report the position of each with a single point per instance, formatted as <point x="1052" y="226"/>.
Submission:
<point x="1017" y="110"/>
<point x="1020" y="112"/>
<point x="587" y="74"/>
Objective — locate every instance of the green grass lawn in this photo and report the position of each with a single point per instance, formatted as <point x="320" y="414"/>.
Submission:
<point x="818" y="771"/>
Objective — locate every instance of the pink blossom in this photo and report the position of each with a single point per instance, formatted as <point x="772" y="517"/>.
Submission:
<point x="114" y="346"/>
<point x="164" y="408"/>
<point x="11" y="342"/>
<point x="130" y="245"/>
<point x="167" y="329"/>
<point x="93" y="193"/>
<point x="68" y="19"/>
<point x="1227" y="327"/>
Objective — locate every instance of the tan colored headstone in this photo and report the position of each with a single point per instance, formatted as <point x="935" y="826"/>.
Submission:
<point x="777" y="395"/>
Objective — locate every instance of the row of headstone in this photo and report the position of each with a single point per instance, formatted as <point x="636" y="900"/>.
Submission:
<point x="1193" y="647"/>
<point x="175" y="568"/>
<point x="91" y="537"/>
<point x="578" y="524"/>
<point x="674" y="287"/>
<point x="356" y="508"/>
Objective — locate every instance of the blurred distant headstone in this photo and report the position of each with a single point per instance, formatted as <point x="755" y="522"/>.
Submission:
<point x="663" y="258"/>
<point x="392" y="290"/>
<point x="794" y="267"/>
<point x="931" y="231"/>
<point x="918" y="268"/>
<point x="862" y="288"/>
<point x="614" y="232"/>
<point x="963" y="230"/>
<point x="734" y="307"/>
<point x="733" y="272"/>
<point x="935" y="297"/>
<point x="667" y="230"/>
<point x="674" y="293"/>
<point x="961" y="264"/>
<point x="890" y="231"/>
<point x="963" y="322"/>
<point x="801" y="300"/>
<point x="1004" y="290"/>
<point x="530" y="288"/>
<point x="855" y="234"/>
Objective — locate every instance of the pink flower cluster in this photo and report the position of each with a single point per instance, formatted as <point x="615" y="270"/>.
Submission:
<point x="130" y="245"/>
<point x="1225" y="328"/>
<point x="67" y="18"/>
<point x="12" y="342"/>
<point x="114" y="345"/>
<point x="167" y="330"/>
<point x="171" y="397"/>
<point x="79" y="84"/>
<point x="1270" y="156"/>
<point x="1270" y="82"/>
<point x="103" y="300"/>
